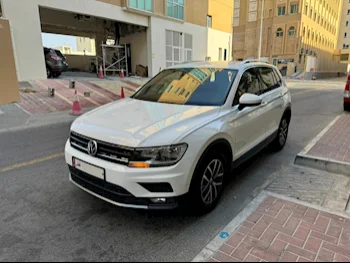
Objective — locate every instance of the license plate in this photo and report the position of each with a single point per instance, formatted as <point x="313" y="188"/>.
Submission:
<point x="89" y="169"/>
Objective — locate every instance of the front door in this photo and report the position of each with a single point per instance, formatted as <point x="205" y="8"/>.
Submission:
<point x="248" y="126"/>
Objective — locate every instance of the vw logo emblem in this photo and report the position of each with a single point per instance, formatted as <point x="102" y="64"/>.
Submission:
<point x="92" y="148"/>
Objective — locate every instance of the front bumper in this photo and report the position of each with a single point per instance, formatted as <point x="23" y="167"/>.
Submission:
<point x="123" y="186"/>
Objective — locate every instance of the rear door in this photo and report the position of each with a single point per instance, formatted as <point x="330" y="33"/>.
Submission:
<point x="272" y="94"/>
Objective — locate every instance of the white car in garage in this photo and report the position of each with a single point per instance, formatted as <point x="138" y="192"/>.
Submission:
<point x="180" y="135"/>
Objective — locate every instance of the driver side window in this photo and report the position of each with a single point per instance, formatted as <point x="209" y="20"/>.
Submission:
<point x="249" y="84"/>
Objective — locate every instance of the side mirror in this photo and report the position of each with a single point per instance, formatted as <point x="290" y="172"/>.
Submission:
<point x="249" y="100"/>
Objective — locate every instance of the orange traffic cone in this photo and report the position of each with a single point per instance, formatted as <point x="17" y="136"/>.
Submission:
<point x="122" y="74"/>
<point x="122" y="95"/>
<point x="100" y="74"/>
<point x="76" y="109"/>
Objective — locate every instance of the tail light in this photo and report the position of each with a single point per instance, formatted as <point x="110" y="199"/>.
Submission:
<point x="347" y="88"/>
<point x="55" y="58"/>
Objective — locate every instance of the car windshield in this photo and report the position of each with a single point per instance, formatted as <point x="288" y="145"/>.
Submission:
<point x="189" y="86"/>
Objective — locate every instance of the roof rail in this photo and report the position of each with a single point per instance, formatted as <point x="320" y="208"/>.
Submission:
<point x="253" y="60"/>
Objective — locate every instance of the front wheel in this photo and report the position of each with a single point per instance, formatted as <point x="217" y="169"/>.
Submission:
<point x="282" y="135"/>
<point x="208" y="184"/>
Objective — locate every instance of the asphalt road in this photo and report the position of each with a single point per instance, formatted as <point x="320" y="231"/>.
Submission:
<point x="45" y="218"/>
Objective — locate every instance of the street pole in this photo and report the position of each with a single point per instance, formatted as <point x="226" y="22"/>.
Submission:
<point x="261" y="27"/>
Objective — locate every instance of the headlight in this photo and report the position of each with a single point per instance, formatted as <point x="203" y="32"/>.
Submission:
<point x="158" y="156"/>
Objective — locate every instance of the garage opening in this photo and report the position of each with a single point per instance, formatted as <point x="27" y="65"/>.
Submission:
<point x="115" y="45"/>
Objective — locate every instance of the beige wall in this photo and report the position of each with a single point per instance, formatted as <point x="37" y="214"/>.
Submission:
<point x="114" y="2"/>
<point x="138" y="42"/>
<point x="222" y="13"/>
<point x="80" y="62"/>
<point x="196" y="12"/>
<point x="9" y="91"/>
<point x="159" y="7"/>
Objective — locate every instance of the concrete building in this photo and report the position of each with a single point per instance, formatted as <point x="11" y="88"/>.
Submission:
<point x="160" y="32"/>
<point x="298" y="34"/>
<point x="85" y="44"/>
<point x="344" y="34"/>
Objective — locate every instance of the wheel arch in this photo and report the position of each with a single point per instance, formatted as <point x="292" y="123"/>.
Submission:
<point x="224" y="146"/>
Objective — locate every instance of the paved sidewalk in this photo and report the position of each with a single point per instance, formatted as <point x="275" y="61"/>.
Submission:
<point x="35" y="99"/>
<point x="284" y="231"/>
<point x="331" y="149"/>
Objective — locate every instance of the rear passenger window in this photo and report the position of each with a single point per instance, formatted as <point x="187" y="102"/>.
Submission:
<point x="268" y="79"/>
<point x="278" y="78"/>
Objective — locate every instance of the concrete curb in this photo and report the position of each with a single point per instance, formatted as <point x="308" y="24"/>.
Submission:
<point x="324" y="164"/>
<point x="330" y="165"/>
<point x="217" y="242"/>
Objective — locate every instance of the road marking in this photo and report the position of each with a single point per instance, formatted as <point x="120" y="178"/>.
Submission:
<point x="302" y="92"/>
<point x="36" y="161"/>
<point x="41" y="85"/>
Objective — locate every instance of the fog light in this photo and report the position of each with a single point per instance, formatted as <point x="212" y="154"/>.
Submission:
<point x="158" y="200"/>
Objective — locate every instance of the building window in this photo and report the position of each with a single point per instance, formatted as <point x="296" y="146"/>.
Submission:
<point x="345" y="35"/>
<point x="306" y="9"/>
<point x="347" y="22"/>
<point x="291" y="31"/>
<point x="209" y="21"/>
<point x="279" y="32"/>
<point x="310" y="14"/>
<point x="146" y="5"/>
<point x="281" y="11"/>
<point x="294" y="8"/>
<point x="345" y="46"/>
<point x="349" y="12"/>
<point x="178" y="47"/>
<point x="175" y="9"/>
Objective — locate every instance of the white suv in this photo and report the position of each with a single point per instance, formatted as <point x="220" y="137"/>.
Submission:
<point x="179" y="135"/>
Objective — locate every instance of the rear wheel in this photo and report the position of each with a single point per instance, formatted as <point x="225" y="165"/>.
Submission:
<point x="346" y="106"/>
<point x="56" y="75"/>
<point x="48" y="73"/>
<point x="282" y="135"/>
<point x="208" y="184"/>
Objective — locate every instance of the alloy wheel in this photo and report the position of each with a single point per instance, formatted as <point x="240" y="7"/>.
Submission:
<point x="212" y="181"/>
<point x="283" y="132"/>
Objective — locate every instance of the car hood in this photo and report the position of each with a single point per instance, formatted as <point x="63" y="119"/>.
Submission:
<point x="137" y="123"/>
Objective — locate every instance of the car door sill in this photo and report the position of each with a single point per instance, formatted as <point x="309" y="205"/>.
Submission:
<point x="245" y="157"/>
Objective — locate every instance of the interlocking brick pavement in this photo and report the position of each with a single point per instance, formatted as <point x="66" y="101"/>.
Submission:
<point x="35" y="99"/>
<point x="335" y="143"/>
<point x="284" y="231"/>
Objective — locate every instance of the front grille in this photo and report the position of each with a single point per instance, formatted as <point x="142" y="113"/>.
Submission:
<point x="106" y="151"/>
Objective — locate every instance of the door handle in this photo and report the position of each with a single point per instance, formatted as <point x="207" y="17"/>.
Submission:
<point x="264" y="103"/>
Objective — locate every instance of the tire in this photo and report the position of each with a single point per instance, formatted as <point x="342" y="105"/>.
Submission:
<point x="346" y="106"/>
<point x="208" y="183"/>
<point x="282" y="135"/>
<point x="48" y="73"/>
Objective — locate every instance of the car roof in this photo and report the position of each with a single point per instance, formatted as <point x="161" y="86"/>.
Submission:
<point x="222" y="64"/>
